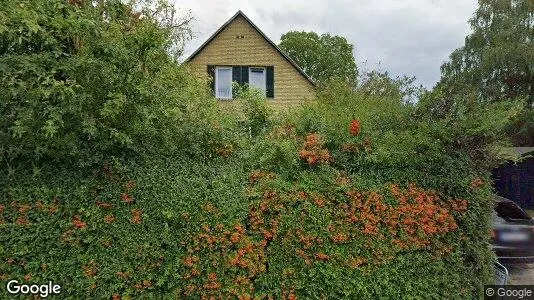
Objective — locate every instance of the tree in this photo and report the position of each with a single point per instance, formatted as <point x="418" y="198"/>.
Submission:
<point x="380" y="84"/>
<point x="85" y="80"/>
<point x="323" y="57"/>
<point x="497" y="59"/>
<point x="495" y="64"/>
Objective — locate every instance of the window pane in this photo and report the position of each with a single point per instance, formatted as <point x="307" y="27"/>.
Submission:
<point x="257" y="78"/>
<point x="224" y="83"/>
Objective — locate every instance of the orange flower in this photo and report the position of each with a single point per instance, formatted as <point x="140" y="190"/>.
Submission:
<point x="190" y="261"/>
<point x="212" y="276"/>
<point x="23" y="208"/>
<point x="302" y="195"/>
<point x="53" y="209"/>
<point x="313" y="152"/>
<point x="255" y="176"/>
<point x="22" y="221"/>
<point x="235" y="237"/>
<point x="356" y="262"/>
<point x="136" y="216"/>
<point x="126" y="198"/>
<point x="89" y="270"/>
<point x="319" y="201"/>
<point x="109" y="219"/>
<point x="78" y="223"/>
<point x="339" y="238"/>
<point x="130" y="184"/>
<point x="354" y="127"/>
<point x="321" y="256"/>
<point x="459" y="205"/>
<point x="240" y="229"/>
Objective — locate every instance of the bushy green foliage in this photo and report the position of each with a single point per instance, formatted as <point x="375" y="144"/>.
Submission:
<point x="324" y="57"/>
<point x="80" y="82"/>
<point x="351" y="197"/>
<point x="495" y="64"/>
<point x="258" y="116"/>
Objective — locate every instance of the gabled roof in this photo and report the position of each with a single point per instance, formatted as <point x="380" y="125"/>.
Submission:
<point x="240" y="13"/>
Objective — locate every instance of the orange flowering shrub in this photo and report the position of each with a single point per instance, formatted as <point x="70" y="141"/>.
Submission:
<point x="312" y="151"/>
<point x="459" y="205"/>
<point x="89" y="270"/>
<point x="240" y="229"/>
<point x="127" y="198"/>
<point x="354" y="127"/>
<point x="22" y="220"/>
<point x="223" y="246"/>
<point x="255" y="176"/>
<point x="321" y="256"/>
<point x="136" y="216"/>
<point x="365" y="229"/>
<point x="108" y="219"/>
<point x="78" y="223"/>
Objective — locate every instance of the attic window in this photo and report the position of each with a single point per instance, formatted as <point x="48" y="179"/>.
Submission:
<point x="257" y="78"/>
<point x="223" y="82"/>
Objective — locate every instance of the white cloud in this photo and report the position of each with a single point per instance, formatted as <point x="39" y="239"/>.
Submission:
<point x="411" y="37"/>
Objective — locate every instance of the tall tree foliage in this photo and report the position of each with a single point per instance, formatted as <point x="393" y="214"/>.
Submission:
<point x="495" y="64"/>
<point x="89" y="79"/>
<point x="379" y="83"/>
<point x="323" y="57"/>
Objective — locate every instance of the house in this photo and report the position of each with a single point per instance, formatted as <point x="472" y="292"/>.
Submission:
<point x="240" y="52"/>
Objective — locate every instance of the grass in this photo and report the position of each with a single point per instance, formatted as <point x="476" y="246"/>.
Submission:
<point x="530" y="212"/>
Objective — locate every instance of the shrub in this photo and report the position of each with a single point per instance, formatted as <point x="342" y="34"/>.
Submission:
<point x="77" y="87"/>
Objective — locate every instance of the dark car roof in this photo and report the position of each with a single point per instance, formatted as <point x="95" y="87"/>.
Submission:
<point x="508" y="209"/>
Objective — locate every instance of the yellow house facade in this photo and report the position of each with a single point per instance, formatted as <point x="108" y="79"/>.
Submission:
<point x="240" y="52"/>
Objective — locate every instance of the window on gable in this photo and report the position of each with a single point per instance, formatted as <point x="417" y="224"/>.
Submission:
<point x="223" y="82"/>
<point x="257" y="78"/>
<point x="261" y="78"/>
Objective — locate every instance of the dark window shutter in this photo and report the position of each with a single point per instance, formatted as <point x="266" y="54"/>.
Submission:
<point x="270" y="82"/>
<point x="211" y="73"/>
<point x="244" y="75"/>
<point x="236" y="77"/>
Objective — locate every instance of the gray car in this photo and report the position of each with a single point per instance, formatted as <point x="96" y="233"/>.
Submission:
<point x="513" y="233"/>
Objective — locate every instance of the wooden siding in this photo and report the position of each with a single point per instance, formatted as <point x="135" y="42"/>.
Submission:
<point x="290" y="87"/>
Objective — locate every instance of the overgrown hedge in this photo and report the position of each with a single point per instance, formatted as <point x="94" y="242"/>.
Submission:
<point x="338" y="213"/>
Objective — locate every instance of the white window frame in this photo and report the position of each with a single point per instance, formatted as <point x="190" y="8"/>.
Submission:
<point x="217" y="83"/>
<point x="264" y="78"/>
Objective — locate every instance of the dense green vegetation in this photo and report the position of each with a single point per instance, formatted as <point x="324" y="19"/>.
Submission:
<point x="121" y="177"/>
<point x="323" y="57"/>
<point x="495" y="64"/>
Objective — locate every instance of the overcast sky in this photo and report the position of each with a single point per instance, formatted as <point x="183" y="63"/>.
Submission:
<point x="411" y="37"/>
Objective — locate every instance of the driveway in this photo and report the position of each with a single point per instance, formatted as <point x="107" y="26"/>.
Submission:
<point x="521" y="274"/>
